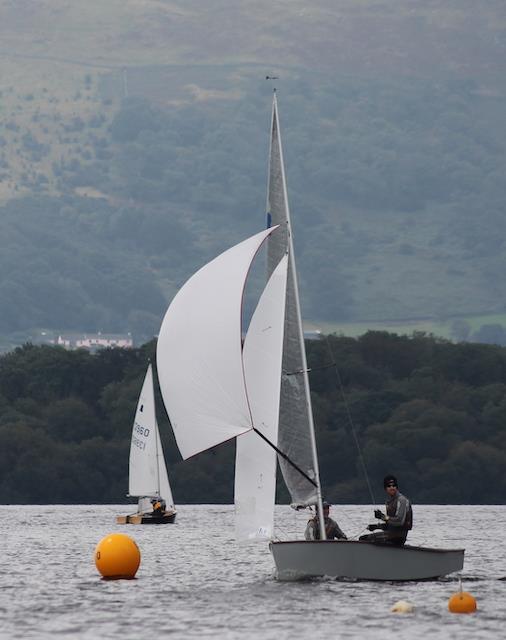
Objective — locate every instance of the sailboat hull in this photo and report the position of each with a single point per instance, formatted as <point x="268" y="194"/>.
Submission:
<point x="146" y="518"/>
<point x="297" y="560"/>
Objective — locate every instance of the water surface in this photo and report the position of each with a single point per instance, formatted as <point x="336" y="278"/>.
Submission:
<point x="195" y="581"/>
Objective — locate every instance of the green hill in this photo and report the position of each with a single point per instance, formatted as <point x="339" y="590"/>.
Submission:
<point x="430" y="411"/>
<point x="135" y="142"/>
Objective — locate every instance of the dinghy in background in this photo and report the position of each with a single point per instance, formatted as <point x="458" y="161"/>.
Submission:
<point x="148" y="478"/>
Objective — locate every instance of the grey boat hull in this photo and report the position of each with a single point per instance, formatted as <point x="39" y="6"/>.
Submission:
<point x="296" y="560"/>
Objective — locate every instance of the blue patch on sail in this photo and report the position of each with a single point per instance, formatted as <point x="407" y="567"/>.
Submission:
<point x="269" y="220"/>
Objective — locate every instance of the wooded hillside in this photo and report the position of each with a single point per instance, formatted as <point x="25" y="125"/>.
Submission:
<point x="427" y="410"/>
<point x="134" y="148"/>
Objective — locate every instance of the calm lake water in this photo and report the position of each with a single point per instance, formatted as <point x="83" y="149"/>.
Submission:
<point x="196" y="582"/>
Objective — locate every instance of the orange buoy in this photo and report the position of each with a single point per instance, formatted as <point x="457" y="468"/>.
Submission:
<point x="117" y="556"/>
<point x="462" y="602"/>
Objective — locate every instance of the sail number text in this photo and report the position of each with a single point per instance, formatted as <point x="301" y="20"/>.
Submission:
<point x="141" y="431"/>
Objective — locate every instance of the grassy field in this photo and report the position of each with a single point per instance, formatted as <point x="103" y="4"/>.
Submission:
<point x="440" y="328"/>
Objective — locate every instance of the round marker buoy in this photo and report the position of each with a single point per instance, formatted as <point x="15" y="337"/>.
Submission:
<point x="462" y="602"/>
<point x="117" y="557"/>
<point x="401" y="606"/>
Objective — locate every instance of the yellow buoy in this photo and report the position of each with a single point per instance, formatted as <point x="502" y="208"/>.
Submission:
<point x="462" y="602"/>
<point x="117" y="556"/>
<point x="401" y="606"/>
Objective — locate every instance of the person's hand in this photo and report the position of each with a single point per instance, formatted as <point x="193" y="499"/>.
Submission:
<point x="378" y="514"/>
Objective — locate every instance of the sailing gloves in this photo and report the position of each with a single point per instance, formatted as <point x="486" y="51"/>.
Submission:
<point x="381" y="516"/>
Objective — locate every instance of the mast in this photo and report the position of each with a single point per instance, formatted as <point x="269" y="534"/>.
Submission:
<point x="295" y="292"/>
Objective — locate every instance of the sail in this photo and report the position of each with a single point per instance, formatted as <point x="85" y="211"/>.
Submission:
<point x="163" y="479"/>
<point x="144" y="473"/>
<point x="199" y="352"/>
<point x="255" y="468"/>
<point x="296" y="431"/>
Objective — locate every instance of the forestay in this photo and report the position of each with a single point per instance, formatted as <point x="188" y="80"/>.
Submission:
<point x="295" y="422"/>
<point x="163" y="478"/>
<point x="199" y="352"/>
<point x="255" y="469"/>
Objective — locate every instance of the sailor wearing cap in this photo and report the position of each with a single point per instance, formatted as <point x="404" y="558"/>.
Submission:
<point x="332" y="529"/>
<point x="398" y="519"/>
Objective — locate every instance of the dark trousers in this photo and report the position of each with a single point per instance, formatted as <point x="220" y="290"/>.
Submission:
<point x="385" y="537"/>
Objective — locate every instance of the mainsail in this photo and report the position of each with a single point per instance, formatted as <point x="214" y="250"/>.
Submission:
<point x="147" y="470"/>
<point x="255" y="469"/>
<point x="199" y="352"/>
<point x="296" y="430"/>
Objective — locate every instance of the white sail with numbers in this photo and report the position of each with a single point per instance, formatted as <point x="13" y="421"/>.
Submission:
<point x="147" y="471"/>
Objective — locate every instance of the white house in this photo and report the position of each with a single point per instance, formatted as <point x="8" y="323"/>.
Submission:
<point x="94" y="341"/>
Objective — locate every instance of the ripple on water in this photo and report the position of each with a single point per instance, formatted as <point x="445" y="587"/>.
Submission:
<point x="196" y="582"/>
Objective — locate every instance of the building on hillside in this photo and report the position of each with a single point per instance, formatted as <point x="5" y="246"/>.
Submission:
<point x="94" y="341"/>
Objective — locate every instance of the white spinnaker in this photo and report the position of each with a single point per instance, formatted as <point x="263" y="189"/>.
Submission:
<point x="199" y="352"/>
<point x="143" y="476"/>
<point x="164" y="486"/>
<point x="255" y="468"/>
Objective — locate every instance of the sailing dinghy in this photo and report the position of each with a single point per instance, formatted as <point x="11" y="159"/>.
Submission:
<point x="337" y="558"/>
<point x="148" y="479"/>
<point x="216" y="387"/>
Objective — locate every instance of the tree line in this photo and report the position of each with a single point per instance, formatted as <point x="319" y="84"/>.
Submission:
<point x="428" y="410"/>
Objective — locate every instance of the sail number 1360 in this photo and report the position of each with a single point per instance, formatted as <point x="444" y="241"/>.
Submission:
<point x="142" y="431"/>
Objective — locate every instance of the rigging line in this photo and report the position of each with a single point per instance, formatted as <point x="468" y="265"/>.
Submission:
<point x="350" y="420"/>
<point x="282" y="529"/>
<point x="283" y="532"/>
<point x="285" y="457"/>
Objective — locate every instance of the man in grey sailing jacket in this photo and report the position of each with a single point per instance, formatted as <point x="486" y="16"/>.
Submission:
<point x="398" y="519"/>
<point x="332" y="529"/>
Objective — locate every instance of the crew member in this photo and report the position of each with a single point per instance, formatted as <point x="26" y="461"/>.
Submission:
<point x="332" y="529"/>
<point x="397" y="521"/>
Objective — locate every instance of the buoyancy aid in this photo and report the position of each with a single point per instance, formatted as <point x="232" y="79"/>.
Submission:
<point x="391" y="509"/>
